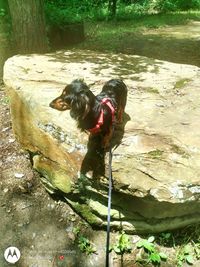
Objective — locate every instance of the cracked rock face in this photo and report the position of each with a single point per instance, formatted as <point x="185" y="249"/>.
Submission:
<point x="156" y="168"/>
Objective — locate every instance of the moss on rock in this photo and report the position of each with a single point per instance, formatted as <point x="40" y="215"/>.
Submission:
<point x="53" y="174"/>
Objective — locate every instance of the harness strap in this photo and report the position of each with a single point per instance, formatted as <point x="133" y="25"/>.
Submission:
<point x="104" y="101"/>
<point x="107" y="102"/>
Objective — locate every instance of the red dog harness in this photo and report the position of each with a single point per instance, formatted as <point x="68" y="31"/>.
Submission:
<point x="105" y="101"/>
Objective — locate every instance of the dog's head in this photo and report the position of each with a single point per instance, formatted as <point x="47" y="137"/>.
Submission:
<point x="76" y="96"/>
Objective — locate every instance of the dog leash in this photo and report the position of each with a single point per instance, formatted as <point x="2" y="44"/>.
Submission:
<point x="109" y="207"/>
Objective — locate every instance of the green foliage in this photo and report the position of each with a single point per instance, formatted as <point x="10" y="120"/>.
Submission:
<point x="84" y="244"/>
<point x="123" y="244"/>
<point x="5" y="100"/>
<point x="185" y="254"/>
<point x="2" y="12"/>
<point x="165" y="5"/>
<point x="5" y="21"/>
<point x="188" y="254"/>
<point x="165" y="239"/>
<point x="76" y="230"/>
<point x="188" y="5"/>
<point x="152" y="255"/>
<point x="128" y="12"/>
<point x="176" y="5"/>
<point x="58" y="16"/>
<point x="63" y="12"/>
<point x="186" y="242"/>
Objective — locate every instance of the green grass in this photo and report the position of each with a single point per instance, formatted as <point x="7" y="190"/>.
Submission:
<point x="160" y="20"/>
<point x="144" y="21"/>
<point x="109" y="36"/>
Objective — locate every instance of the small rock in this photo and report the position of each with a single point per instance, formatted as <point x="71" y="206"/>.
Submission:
<point x="52" y="206"/>
<point x="11" y="140"/>
<point x="5" y="190"/>
<point x="33" y="235"/>
<point x="71" y="236"/>
<point x="185" y="123"/>
<point x="59" y="203"/>
<point x="160" y="105"/>
<point x="19" y="175"/>
<point x="135" y="239"/>
<point x="69" y="228"/>
<point x="22" y="189"/>
<point x="29" y="185"/>
<point x="5" y="129"/>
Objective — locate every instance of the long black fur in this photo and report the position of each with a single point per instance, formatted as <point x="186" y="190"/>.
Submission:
<point x="85" y="107"/>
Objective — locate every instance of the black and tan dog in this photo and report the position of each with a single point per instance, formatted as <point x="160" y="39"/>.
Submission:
<point x="95" y="114"/>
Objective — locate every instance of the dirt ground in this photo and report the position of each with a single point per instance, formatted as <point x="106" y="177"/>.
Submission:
<point x="30" y="220"/>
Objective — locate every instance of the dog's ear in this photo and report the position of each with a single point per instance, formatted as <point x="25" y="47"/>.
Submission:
<point x="78" y="87"/>
<point x="84" y="90"/>
<point x="80" y="106"/>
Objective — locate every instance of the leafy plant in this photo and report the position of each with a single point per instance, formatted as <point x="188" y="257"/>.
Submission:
<point x="76" y="230"/>
<point x="188" y="253"/>
<point x="123" y="244"/>
<point x="165" y="239"/>
<point x="84" y="243"/>
<point x="58" y="16"/>
<point x="152" y="255"/>
<point x="165" y="5"/>
<point x="197" y="250"/>
<point x="174" y="5"/>
<point x="185" y="254"/>
<point x="2" y="12"/>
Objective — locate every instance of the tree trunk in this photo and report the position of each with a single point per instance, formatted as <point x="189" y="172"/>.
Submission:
<point x="5" y="49"/>
<point x="112" y="6"/>
<point x="28" y="24"/>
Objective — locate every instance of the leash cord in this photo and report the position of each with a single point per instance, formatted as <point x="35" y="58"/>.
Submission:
<point x="109" y="208"/>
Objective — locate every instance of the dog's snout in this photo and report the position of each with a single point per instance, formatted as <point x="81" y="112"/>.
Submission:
<point x="52" y="104"/>
<point x="59" y="104"/>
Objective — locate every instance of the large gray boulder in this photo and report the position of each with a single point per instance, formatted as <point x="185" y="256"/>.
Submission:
<point x="156" y="168"/>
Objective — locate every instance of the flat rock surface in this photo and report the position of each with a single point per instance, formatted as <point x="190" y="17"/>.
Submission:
<point x="156" y="167"/>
